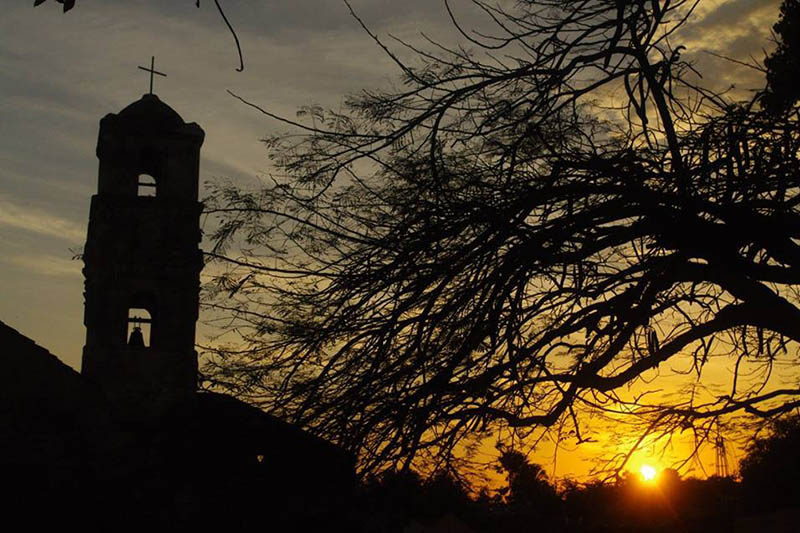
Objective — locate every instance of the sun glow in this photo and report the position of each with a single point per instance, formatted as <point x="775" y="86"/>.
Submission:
<point x="648" y="472"/>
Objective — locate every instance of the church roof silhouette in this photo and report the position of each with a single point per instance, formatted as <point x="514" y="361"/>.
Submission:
<point x="214" y="461"/>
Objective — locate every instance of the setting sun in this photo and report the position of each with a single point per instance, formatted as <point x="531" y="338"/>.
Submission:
<point x="648" y="472"/>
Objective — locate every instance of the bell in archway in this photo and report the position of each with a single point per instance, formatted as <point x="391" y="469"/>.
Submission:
<point x="137" y="339"/>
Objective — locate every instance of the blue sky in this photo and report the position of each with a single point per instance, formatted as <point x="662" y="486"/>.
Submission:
<point x="60" y="73"/>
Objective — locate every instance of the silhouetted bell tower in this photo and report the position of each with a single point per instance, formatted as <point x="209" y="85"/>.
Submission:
<point x="142" y="262"/>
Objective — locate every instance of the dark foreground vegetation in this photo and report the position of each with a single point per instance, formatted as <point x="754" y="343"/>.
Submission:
<point x="765" y="498"/>
<point x="402" y="502"/>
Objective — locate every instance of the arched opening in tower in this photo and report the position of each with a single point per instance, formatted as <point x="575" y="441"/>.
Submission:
<point x="139" y="325"/>
<point x="146" y="185"/>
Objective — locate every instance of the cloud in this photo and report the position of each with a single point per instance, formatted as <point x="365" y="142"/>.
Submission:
<point x="732" y="13"/>
<point x="719" y="27"/>
<point x="38" y="221"/>
<point x="736" y="29"/>
<point x="46" y="265"/>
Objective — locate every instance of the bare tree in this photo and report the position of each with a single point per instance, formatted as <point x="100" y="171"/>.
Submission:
<point x="513" y="236"/>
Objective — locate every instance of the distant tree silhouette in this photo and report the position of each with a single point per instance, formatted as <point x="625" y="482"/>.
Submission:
<point x="392" y="500"/>
<point x="771" y="469"/>
<point x="670" y="504"/>
<point x="405" y="501"/>
<point x="528" y="485"/>
<point x="512" y="236"/>
<point x="528" y="497"/>
<point x="782" y="90"/>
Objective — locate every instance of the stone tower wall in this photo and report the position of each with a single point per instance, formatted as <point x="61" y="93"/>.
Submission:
<point x="142" y="253"/>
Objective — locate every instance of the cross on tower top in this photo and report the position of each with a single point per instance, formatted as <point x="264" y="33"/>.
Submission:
<point x="152" y="71"/>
